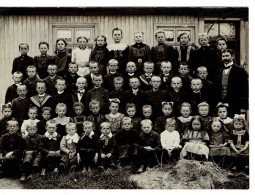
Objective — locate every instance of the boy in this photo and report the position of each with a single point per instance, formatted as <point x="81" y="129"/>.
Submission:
<point x="31" y="81"/>
<point x="131" y="112"/>
<point x="106" y="147"/>
<point x="71" y="77"/>
<point x="51" y="79"/>
<point x="11" y="147"/>
<point x="126" y="142"/>
<point x="80" y="94"/>
<point x="79" y="118"/>
<point x="94" y="69"/>
<point x="32" y="114"/>
<point x="42" y="61"/>
<point x="11" y="92"/>
<point x="166" y="75"/>
<point x="147" y="112"/>
<point x="149" y="146"/>
<point x="184" y="74"/>
<point x="146" y="77"/>
<point x="98" y="93"/>
<point x="46" y="115"/>
<point x="118" y="91"/>
<point x="31" y="155"/>
<point x="23" y="61"/>
<point x="130" y="72"/>
<point x="7" y="112"/>
<point x="20" y="104"/>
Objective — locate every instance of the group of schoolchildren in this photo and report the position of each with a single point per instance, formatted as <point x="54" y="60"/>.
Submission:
<point x="117" y="105"/>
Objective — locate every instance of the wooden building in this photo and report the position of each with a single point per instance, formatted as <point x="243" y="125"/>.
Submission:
<point x="32" y="25"/>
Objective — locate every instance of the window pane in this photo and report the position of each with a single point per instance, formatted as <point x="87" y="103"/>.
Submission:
<point x="66" y="34"/>
<point x="213" y="32"/>
<point x="228" y="30"/>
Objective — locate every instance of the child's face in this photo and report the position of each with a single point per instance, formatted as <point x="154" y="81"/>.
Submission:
<point x="23" y="49"/>
<point x="31" y="130"/>
<point x="32" y="114"/>
<point x="106" y="129"/>
<point x="134" y="83"/>
<point x="100" y="41"/>
<point x="131" y="112"/>
<point x="52" y="70"/>
<point x="117" y="36"/>
<point x="95" y="109"/>
<point x="203" y="110"/>
<point x="114" y="108"/>
<point x="78" y="110"/>
<point x="40" y="88"/>
<point x="81" y="84"/>
<point x="93" y="68"/>
<point x="118" y="84"/>
<point x="61" y="45"/>
<point x="97" y="81"/>
<point x="12" y="127"/>
<point x="73" y="68"/>
<point x="221" y="45"/>
<point x="22" y="91"/>
<point x="183" y="70"/>
<point x="170" y="127"/>
<point x="146" y="128"/>
<point x="165" y="68"/>
<point x="147" y="112"/>
<point x="126" y="125"/>
<point x="138" y="38"/>
<point x="46" y="115"/>
<point x="155" y="82"/>
<point x="196" y="125"/>
<point x="7" y="112"/>
<point x="113" y="67"/>
<point x="160" y="37"/>
<point x="222" y="112"/>
<point x="61" y="85"/>
<point x="43" y="49"/>
<point x="131" y="67"/>
<point x="148" y="68"/>
<point x="185" y="111"/>
<point x="87" y="129"/>
<point x="82" y="43"/>
<point x="31" y="72"/>
<point x="176" y="84"/>
<point x="167" y="110"/>
<point x="216" y="126"/>
<point x="71" y="130"/>
<point x="203" y="41"/>
<point x="238" y="125"/>
<point x="196" y="85"/>
<point x="184" y="39"/>
<point x="202" y="74"/>
<point x="51" y="128"/>
<point x="61" y="111"/>
<point x="17" y="78"/>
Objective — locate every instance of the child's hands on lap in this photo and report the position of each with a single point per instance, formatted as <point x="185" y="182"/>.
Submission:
<point x="9" y="154"/>
<point x="96" y="158"/>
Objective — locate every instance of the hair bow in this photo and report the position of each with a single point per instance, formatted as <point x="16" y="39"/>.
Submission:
<point x="115" y="100"/>
<point x="242" y="116"/>
<point x="171" y="103"/>
<point x="222" y="104"/>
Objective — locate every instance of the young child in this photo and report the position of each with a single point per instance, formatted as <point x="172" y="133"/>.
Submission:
<point x="46" y="115"/>
<point x="32" y="115"/>
<point x="11" y="92"/>
<point x="81" y="56"/>
<point x="79" y="118"/>
<point x="7" y="113"/>
<point x="20" y="103"/>
<point x="31" y="155"/>
<point x="149" y="146"/>
<point x="183" y="71"/>
<point x="160" y="123"/>
<point x="94" y="69"/>
<point x="23" y="61"/>
<point x="106" y="147"/>
<point x="100" y="53"/>
<point x="51" y="80"/>
<point x="203" y="110"/>
<point x="31" y="81"/>
<point x="62" y="120"/>
<point x="146" y="77"/>
<point x="42" y="61"/>
<point x="136" y="121"/>
<point x="11" y="148"/>
<point x="170" y="140"/>
<point x="113" y="72"/>
<point x="118" y="91"/>
<point x="68" y="146"/>
<point x="80" y="94"/>
<point x="130" y="72"/>
<point x="114" y="117"/>
<point x="195" y="140"/>
<point x="147" y="112"/>
<point x="61" y="58"/>
<point x="222" y="44"/>
<point x="126" y="142"/>
<point x="139" y="52"/>
<point x="87" y="148"/>
<point x="166" y="75"/>
<point x="95" y="116"/>
<point x="50" y="148"/>
<point x="71" y="77"/>
<point x="98" y="93"/>
<point x="222" y="112"/>
<point x="118" y="50"/>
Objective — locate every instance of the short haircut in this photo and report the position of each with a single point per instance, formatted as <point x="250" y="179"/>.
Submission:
<point x="23" y="44"/>
<point x="126" y="118"/>
<point x="60" y="79"/>
<point x="228" y="51"/>
<point x="33" y="108"/>
<point x="81" y="79"/>
<point x="159" y="31"/>
<point x="176" y="77"/>
<point x="93" y="103"/>
<point x="184" y="33"/>
<point x="148" y="63"/>
<point x="43" y="43"/>
<point x="72" y="63"/>
<point x="183" y="64"/>
<point x="52" y="65"/>
<point x="156" y="76"/>
<point x="12" y="120"/>
<point x="171" y="121"/>
<point x="148" y="121"/>
<point x="88" y="123"/>
<point x="103" y="124"/>
<point x="31" y="124"/>
<point x="186" y="104"/>
<point x="196" y="79"/>
<point x="52" y="122"/>
<point x="40" y="82"/>
<point x="31" y="66"/>
<point x="82" y="37"/>
<point x="200" y="35"/>
<point x="76" y="104"/>
<point x="46" y="108"/>
<point x="222" y="39"/>
<point x="240" y="119"/>
<point x="146" y="106"/>
<point x="22" y="85"/>
<point x="119" y="78"/>
<point x="134" y="78"/>
<point x="61" y="105"/>
<point x="18" y="72"/>
<point x="165" y="62"/>
<point x="139" y="32"/>
<point x="117" y="29"/>
<point x="93" y="62"/>
<point x="130" y="105"/>
<point x="70" y="125"/>
<point x="203" y="104"/>
<point x="131" y="62"/>
<point x="97" y="75"/>
<point x="4" y="106"/>
<point x="113" y="61"/>
<point x="201" y="68"/>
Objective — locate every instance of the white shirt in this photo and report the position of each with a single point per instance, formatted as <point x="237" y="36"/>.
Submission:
<point x="226" y="65"/>
<point x="170" y="140"/>
<point x="80" y="56"/>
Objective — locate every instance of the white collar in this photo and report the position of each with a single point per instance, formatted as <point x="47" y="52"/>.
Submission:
<point x="108" y="136"/>
<point x="90" y="134"/>
<point x="60" y="92"/>
<point x="229" y="64"/>
<point x="72" y="138"/>
<point x="113" y="72"/>
<point x="134" y="90"/>
<point x="82" y="91"/>
<point x="131" y="74"/>
<point x="18" y="84"/>
<point x="41" y="95"/>
<point x="53" y="136"/>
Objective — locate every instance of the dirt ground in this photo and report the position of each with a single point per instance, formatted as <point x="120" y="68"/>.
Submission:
<point x="7" y="183"/>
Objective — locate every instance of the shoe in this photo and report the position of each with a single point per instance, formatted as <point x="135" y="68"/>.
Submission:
<point x="140" y="170"/>
<point x="23" y="178"/>
<point x="89" y="169"/>
<point x="101" y="168"/>
<point x="62" y="167"/>
<point x="43" y="173"/>
<point x="29" y="177"/>
<point x="55" y="171"/>
<point x="73" y="168"/>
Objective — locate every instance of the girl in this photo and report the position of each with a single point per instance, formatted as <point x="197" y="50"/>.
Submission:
<point x="100" y="53"/>
<point x="195" y="141"/>
<point x="203" y="110"/>
<point x="114" y="117"/>
<point x="61" y="119"/>
<point x="139" y="52"/>
<point x="222" y="112"/>
<point x="81" y="56"/>
<point x="61" y="57"/>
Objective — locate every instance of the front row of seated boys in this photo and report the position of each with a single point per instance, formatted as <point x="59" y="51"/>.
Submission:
<point x="52" y="152"/>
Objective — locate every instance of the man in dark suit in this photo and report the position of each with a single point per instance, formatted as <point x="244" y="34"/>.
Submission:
<point x="232" y="84"/>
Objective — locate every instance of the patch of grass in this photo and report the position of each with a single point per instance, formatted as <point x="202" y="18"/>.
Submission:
<point x="109" y="179"/>
<point x="234" y="183"/>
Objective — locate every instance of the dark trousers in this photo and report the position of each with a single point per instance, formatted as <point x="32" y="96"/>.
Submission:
<point x="87" y="157"/>
<point x="106" y="162"/>
<point x="175" y="155"/>
<point x="148" y="158"/>
<point x="127" y="153"/>
<point x="31" y="163"/>
<point x="51" y="161"/>
<point x="11" y="166"/>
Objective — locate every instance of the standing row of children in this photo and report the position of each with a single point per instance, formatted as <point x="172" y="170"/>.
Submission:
<point x="70" y="110"/>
